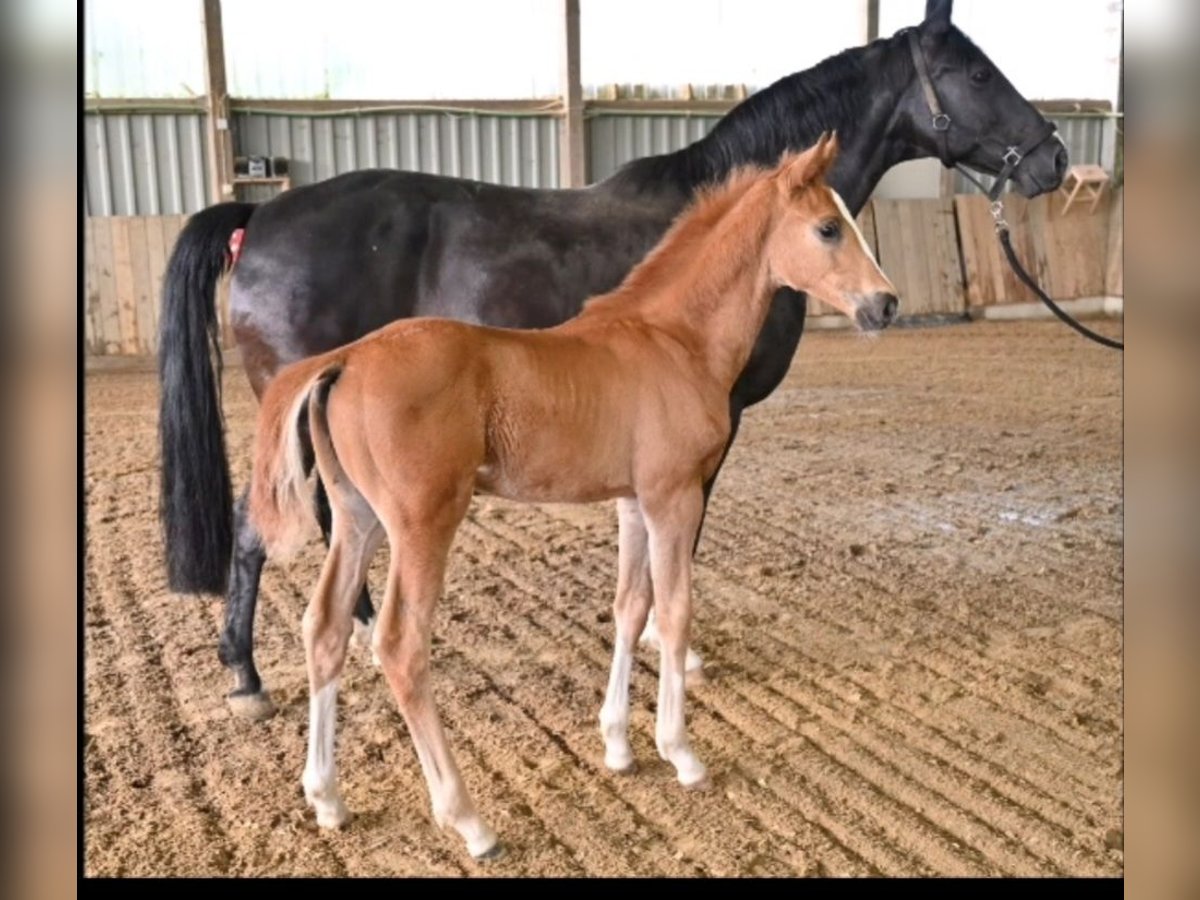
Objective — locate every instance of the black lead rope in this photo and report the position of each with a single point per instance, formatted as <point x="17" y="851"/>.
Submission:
<point x="1010" y="254"/>
<point x="1011" y="158"/>
<point x="1006" y="243"/>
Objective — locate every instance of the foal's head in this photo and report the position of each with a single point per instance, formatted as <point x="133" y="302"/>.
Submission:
<point x="815" y="246"/>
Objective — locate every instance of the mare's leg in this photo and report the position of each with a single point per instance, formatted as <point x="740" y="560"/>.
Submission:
<point x="419" y="544"/>
<point x="364" y="613"/>
<point x="632" y="604"/>
<point x="236" y="647"/>
<point x="355" y="536"/>
<point x="650" y="635"/>
<point x="672" y="520"/>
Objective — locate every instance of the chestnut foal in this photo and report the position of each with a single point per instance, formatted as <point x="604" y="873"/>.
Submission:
<point x="628" y="400"/>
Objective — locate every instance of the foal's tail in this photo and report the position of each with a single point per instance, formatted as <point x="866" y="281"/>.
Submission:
<point x="196" y="501"/>
<point x="291" y="425"/>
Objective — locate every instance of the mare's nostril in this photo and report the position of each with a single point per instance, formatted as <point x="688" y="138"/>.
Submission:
<point x="889" y="309"/>
<point x="1060" y="161"/>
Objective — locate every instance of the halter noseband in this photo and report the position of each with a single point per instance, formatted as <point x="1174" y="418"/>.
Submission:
<point x="941" y="122"/>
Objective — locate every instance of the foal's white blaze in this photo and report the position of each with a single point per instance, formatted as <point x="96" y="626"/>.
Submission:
<point x="320" y="773"/>
<point x="862" y="241"/>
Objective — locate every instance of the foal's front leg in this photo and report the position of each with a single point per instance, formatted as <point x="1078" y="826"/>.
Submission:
<point x="634" y="596"/>
<point x="671" y="522"/>
<point x="650" y="636"/>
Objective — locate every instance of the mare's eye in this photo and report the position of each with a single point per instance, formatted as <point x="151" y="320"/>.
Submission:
<point x="830" y="230"/>
<point x="981" y="76"/>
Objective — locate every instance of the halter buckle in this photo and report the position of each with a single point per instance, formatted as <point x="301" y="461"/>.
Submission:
<point x="1012" y="157"/>
<point x="941" y="122"/>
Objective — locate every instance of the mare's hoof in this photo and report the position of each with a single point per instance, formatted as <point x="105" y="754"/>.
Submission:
<point x="254" y="707"/>
<point x="361" y="635"/>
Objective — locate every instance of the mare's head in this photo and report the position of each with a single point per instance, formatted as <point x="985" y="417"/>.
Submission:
<point x="815" y="247"/>
<point x="986" y="114"/>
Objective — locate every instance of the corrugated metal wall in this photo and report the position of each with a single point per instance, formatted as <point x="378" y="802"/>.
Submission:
<point x="514" y="150"/>
<point x="614" y="140"/>
<point x="145" y="164"/>
<point x="156" y="164"/>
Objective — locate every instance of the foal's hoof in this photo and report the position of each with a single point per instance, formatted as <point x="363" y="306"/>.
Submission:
<point x="254" y="707"/>
<point x="699" y="786"/>
<point x="623" y="768"/>
<point x="334" y="817"/>
<point x="492" y="853"/>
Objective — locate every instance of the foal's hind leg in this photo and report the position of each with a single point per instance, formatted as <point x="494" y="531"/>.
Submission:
<point x="632" y="604"/>
<point x="355" y="536"/>
<point x="364" y="613"/>
<point x="419" y="544"/>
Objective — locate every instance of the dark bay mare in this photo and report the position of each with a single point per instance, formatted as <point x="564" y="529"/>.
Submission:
<point x="327" y="263"/>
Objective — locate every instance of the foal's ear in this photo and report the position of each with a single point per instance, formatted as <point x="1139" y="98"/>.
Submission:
<point x="811" y="164"/>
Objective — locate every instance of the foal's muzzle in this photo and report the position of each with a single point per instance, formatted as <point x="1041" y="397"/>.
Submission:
<point x="877" y="311"/>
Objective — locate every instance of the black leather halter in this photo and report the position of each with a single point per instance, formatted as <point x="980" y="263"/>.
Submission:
<point x="1011" y="156"/>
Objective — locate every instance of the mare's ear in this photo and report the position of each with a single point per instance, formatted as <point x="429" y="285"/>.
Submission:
<point x="810" y="165"/>
<point x="937" y="16"/>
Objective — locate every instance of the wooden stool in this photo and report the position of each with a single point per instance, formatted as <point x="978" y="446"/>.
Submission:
<point x="1088" y="178"/>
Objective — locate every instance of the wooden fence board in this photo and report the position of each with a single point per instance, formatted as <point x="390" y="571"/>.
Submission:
<point x="143" y="294"/>
<point x="91" y="292"/>
<point x="918" y="249"/>
<point x="157" y="249"/>
<point x="1068" y="255"/>
<point x="109" y="321"/>
<point x="989" y="278"/>
<point x="1114" y="276"/>
<point x="123" y="271"/>
<point x="1076" y="247"/>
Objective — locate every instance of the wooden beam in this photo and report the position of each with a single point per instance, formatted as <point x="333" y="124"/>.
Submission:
<point x="571" y="161"/>
<point x="872" y="20"/>
<point x="220" y="144"/>
<point x="1119" y="125"/>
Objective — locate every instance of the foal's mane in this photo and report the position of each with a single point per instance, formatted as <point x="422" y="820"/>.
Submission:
<point x="678" y="249"/>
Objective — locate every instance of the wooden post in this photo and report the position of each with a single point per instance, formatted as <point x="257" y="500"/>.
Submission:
<point x="572" y="162"/>
<point x="872" y="20"/>
<point x="220" y="144"/>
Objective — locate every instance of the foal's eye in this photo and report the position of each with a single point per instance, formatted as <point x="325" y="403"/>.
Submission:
<point x="830" y="230"/>
<point x="981" y="76"/>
